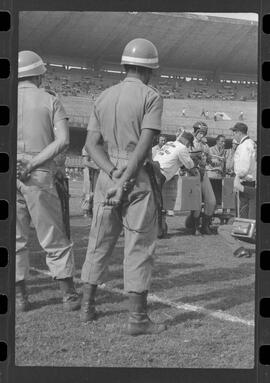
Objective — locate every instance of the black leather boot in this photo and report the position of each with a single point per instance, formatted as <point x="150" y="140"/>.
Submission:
<point x="139" y="322"/>
<point x="22" y="302"/>
<point x="71" y="299"/>
<point x="88" y="309"/>
<point x="206" y="221"/>
<point x="192" y="224"/>
<point x="196" y="225"/>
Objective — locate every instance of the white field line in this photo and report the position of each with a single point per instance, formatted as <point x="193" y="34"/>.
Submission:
<point x="179" y="306"/>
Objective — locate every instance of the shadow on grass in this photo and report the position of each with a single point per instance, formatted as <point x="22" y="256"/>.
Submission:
<point x="232" y="297"/>
<point x="204" y="277"/>
<point x="43" y="303"/>
<point x="184" y="318"/>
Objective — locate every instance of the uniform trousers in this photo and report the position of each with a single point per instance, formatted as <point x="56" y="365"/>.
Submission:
<point x="38" y="201"/>
<point x="248" y="200"/>
<point x="138" y="215"/>
<point x="208" y="197"/>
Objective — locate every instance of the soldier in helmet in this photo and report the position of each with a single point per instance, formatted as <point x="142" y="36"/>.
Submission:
<point x="200" y="146"/>
<point x="42" y="135"/>
<point x="126" y="118"/>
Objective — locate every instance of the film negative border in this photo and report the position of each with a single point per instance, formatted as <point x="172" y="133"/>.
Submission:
<point x="263" y="221"/>
<point x="5" y="125"/>
<point x="7" y="194"/>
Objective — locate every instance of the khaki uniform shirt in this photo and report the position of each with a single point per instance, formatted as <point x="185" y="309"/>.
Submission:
<point x="122" y="111"/>
<point x="38" y="111"/>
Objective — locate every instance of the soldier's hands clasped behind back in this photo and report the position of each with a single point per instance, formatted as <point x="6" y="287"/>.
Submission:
<point x="23" y="170"/>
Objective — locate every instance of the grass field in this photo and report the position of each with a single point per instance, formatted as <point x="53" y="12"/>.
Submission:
<point x="203" y="293"/>
<point x="79" y="109"/>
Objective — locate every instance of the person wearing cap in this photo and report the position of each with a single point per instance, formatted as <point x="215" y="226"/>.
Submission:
<point x="126" y="118"/>
<point x="42" y="135"/>
<point x="229" y="155"/>
<point x="245" y="168"/>
<point x="156" y="148"/>
<point x="199" y="145"/>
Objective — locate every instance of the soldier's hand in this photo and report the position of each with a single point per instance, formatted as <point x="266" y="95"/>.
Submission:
<point x="118" y="173"/>
<point x="23" y="170"/>
<point x="114" y="196"/>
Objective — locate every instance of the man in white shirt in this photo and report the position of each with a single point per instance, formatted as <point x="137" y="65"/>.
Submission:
<point x="169" y="159"/>
<point x="245" y="168"/>
<point x="174" y="155"/>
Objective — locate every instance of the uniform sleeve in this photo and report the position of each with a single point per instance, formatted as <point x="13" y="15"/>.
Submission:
<point x="94" y="124"/>
<point x="242" y="164"/>
<point x="59" y="112"/>
<point x="153" y="112"/>
<point x="185" y="158"/>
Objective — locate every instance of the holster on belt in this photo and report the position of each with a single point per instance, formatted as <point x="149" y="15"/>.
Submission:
<point x="157" y="180"/>
<point x="61" y="184"/>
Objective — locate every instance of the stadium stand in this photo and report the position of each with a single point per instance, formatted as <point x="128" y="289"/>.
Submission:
<point x="76" y="82"/>
<point x="202" y="64"/>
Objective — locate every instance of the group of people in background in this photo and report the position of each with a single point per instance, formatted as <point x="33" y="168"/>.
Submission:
<point x="205" y="113"/>
<point x="212" y="163"/>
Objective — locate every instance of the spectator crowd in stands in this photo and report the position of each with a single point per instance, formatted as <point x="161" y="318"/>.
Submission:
<point x="90" y="83"/>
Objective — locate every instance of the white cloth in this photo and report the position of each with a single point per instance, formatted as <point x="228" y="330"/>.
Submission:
<point x="155" y="149"/>
<point x="245" y="165"/>
<point x="237" y="184"/>
<point x="171" y="157"/>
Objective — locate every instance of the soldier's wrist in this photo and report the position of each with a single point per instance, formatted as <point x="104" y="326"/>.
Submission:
<point x="29" y="167"/>
<point x="112" y="171"/>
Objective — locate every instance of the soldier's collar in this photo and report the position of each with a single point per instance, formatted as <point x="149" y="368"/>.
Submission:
<point x="132" y="79"/>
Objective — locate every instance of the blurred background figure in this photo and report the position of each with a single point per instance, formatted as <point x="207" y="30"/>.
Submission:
<point x="229" y="154"/>
<point x="86" y="205"/>
<point x="161" y="141"/>
<point x="216" y="169"/>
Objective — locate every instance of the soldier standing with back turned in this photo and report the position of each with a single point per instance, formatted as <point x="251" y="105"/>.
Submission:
<point x="42" y="135"/>
<point x="126" y="118"/>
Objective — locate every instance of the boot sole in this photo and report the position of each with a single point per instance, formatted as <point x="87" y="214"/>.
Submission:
<point x="85" y="319"/>
<point x="71" y="307"/>
<point x="146" y="331"/>
<point x="23" y="309"/>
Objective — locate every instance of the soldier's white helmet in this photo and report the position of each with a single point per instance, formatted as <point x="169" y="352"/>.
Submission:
<point x="30" y="64"/>
<point x="140" y="52"/>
